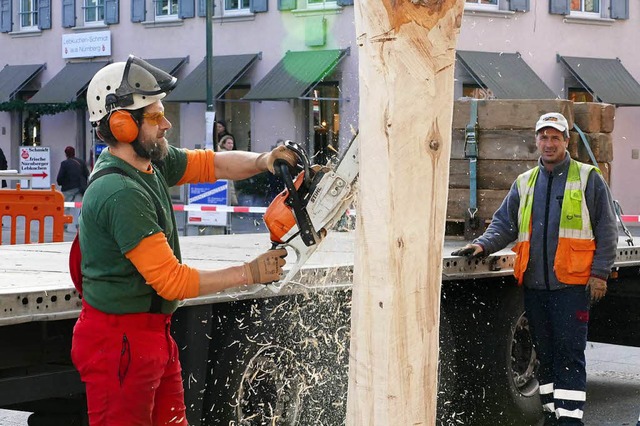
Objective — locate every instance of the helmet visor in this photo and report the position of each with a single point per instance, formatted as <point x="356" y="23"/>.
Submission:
<point x="142" y="78"/>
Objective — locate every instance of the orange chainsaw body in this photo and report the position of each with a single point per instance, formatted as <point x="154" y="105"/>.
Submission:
<point x="279" y="217"/>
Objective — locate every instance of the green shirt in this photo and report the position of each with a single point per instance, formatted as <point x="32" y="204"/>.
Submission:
<point x="117" y="213"/>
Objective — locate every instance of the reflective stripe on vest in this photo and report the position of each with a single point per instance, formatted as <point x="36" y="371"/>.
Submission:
<point x="576" y="244"/>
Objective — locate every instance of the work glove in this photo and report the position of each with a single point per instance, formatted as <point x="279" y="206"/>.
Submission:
<point x="597" y="287"/>
<point x="266" y="268"/>
<point x="266" y="160"/>
<point x="470" y="251"/>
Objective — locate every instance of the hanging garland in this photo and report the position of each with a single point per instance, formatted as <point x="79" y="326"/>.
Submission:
<point x="42" y="109"/>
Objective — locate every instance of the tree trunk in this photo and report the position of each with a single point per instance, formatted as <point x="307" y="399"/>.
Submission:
<point x="407" y="53"/>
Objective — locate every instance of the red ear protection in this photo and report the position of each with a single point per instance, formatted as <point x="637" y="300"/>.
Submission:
<point x="123" y="126"/>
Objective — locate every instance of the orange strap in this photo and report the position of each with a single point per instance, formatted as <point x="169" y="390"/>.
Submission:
<point x="155" y="261"/>
<point x="200" y="167"/>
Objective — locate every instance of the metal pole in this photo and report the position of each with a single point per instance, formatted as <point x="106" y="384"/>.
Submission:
<point x="210" y="114"/>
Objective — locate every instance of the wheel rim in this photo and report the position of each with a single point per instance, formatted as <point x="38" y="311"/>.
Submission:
<point x="271" y="389"/>
<point x="523" y="359"/>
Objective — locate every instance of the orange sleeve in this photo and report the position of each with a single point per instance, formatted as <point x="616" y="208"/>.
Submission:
<point x="155" y="261"/>
<point x="200" y="167"/>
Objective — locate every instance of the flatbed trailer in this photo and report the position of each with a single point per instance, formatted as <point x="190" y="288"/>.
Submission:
<point x="253" y="357"/>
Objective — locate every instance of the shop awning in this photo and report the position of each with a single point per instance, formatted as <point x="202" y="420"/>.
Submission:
<point x="296" y="75"/>
<point x="606" y="79"/>
<point x="506" y="75"/>
<point x="227" y="70"/>
<point x="69" y="84"/>
<point x="169" y="65"/>
<point x="14" y="77"/>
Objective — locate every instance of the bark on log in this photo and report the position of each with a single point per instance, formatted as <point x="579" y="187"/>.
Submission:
<point x="406" y="60"/>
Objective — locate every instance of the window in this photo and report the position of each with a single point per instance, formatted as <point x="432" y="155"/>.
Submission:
<point x="166" y="9"/>
<point x="231" y="6"/>
<point x="28" y="14"/>
<point x="93" y="12"/>
<point x="585" y="6"/>
<point x="579" y="95"/>
<point x="489" y="4"/>
<point x="476" y="92"/>
<point x="317" y="4"/>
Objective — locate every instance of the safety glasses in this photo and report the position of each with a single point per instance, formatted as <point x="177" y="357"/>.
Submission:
<point x="154" y="118"/>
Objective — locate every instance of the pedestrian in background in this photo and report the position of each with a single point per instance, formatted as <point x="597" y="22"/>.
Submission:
<point x="3" y="166"/>
<point x="561" y="214"/>
<point x="219" y="131"/>
<point x="227" y="143"/>
<point x="133" y="278"/>
<point x="72" y="178"/>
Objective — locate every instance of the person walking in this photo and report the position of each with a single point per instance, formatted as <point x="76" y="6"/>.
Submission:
<point x="72" y="179"/>
<point x="132" y="274"/>
<point x="561" y="215"/>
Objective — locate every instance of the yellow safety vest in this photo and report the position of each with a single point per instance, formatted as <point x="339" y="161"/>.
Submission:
<point x="576" y="244"/>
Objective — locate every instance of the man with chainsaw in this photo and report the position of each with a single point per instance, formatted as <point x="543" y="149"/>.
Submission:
<point x="132" y="274"/>
<point x="561" y="216"/>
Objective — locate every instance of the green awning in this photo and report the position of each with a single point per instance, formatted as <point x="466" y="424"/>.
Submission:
<point x="296" y="75"/>
<point x="227" y="70"/>
<point x="68" y="85"/>
<point x="606" y="79"/>
<point x="506" y="75"/>
<point x="15" y="77"/>
<point x="168" y="65"/>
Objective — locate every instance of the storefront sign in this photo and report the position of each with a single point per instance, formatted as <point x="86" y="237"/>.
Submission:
<point x="86" y="45"/>
<point x="36" y="161"/>
<point x="211" y="194"/>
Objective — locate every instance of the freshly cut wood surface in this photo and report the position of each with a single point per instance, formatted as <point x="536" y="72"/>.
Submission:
<point x="406" y="60"/>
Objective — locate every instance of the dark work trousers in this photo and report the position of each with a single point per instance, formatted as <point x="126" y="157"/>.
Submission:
<point x="558" y="321"/>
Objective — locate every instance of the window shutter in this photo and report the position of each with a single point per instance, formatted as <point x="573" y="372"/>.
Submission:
<point x="68" y="13"/>
<point x="5" y="16"/>
<point x="258" y="6"/>
<point x="287" y="4"/>
<point x="44" y="14"/>
<point x="186" y="9"/>
<point x="519" y="5"/>
<point x="559" y="7"/>
<point x="202" y="8"/>
<point x="620" y="9"/>
<point x="138" y="11"/>
<point x="111" y="12"/>
<point x="344" y="2"/>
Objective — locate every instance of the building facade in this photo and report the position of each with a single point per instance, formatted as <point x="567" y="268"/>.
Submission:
<point x="288" y="69"/>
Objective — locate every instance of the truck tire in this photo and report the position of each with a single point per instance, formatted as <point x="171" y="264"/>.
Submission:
<point x="495" y="354"/>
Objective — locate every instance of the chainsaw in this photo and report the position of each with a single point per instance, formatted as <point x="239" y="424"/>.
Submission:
<point x="313" y="200"/>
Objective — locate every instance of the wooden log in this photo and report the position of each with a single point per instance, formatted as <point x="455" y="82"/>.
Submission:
<point x="498" y="144"/>
<point x="491" y="174"/>
<point x="608" y="112"/>
<point x="488" y="202"/>
<point x="588" y="116"/>
<point x="510" y="114"/>
<point x="601" y="145"/>
<point x="406" y="63"/>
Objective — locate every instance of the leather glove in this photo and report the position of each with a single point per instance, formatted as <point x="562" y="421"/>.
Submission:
<point x="266" y="268"/>
<point x="266" y="160"/>
<point x="597" y="287"/>
<point x="470" y="251"/>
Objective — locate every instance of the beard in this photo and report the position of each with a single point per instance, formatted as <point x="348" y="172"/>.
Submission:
<point x="154" y="150"/>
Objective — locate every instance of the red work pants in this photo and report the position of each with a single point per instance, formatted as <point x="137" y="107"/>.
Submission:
<point x="129" y="364"/>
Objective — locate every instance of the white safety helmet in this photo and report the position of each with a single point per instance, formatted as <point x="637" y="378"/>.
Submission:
<point x="127" y="85"/>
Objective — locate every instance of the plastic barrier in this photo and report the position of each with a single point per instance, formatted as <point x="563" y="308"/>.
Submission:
<point x="34" y="205"/>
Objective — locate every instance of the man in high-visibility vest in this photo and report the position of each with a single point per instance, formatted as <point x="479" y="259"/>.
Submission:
<point x="561" y="216"/>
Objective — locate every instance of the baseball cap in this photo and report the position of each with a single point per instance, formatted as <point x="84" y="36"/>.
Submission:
<point x="553" y="119"/>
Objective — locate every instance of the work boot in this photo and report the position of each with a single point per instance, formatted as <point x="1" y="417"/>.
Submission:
<point x="550" y="419"/>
